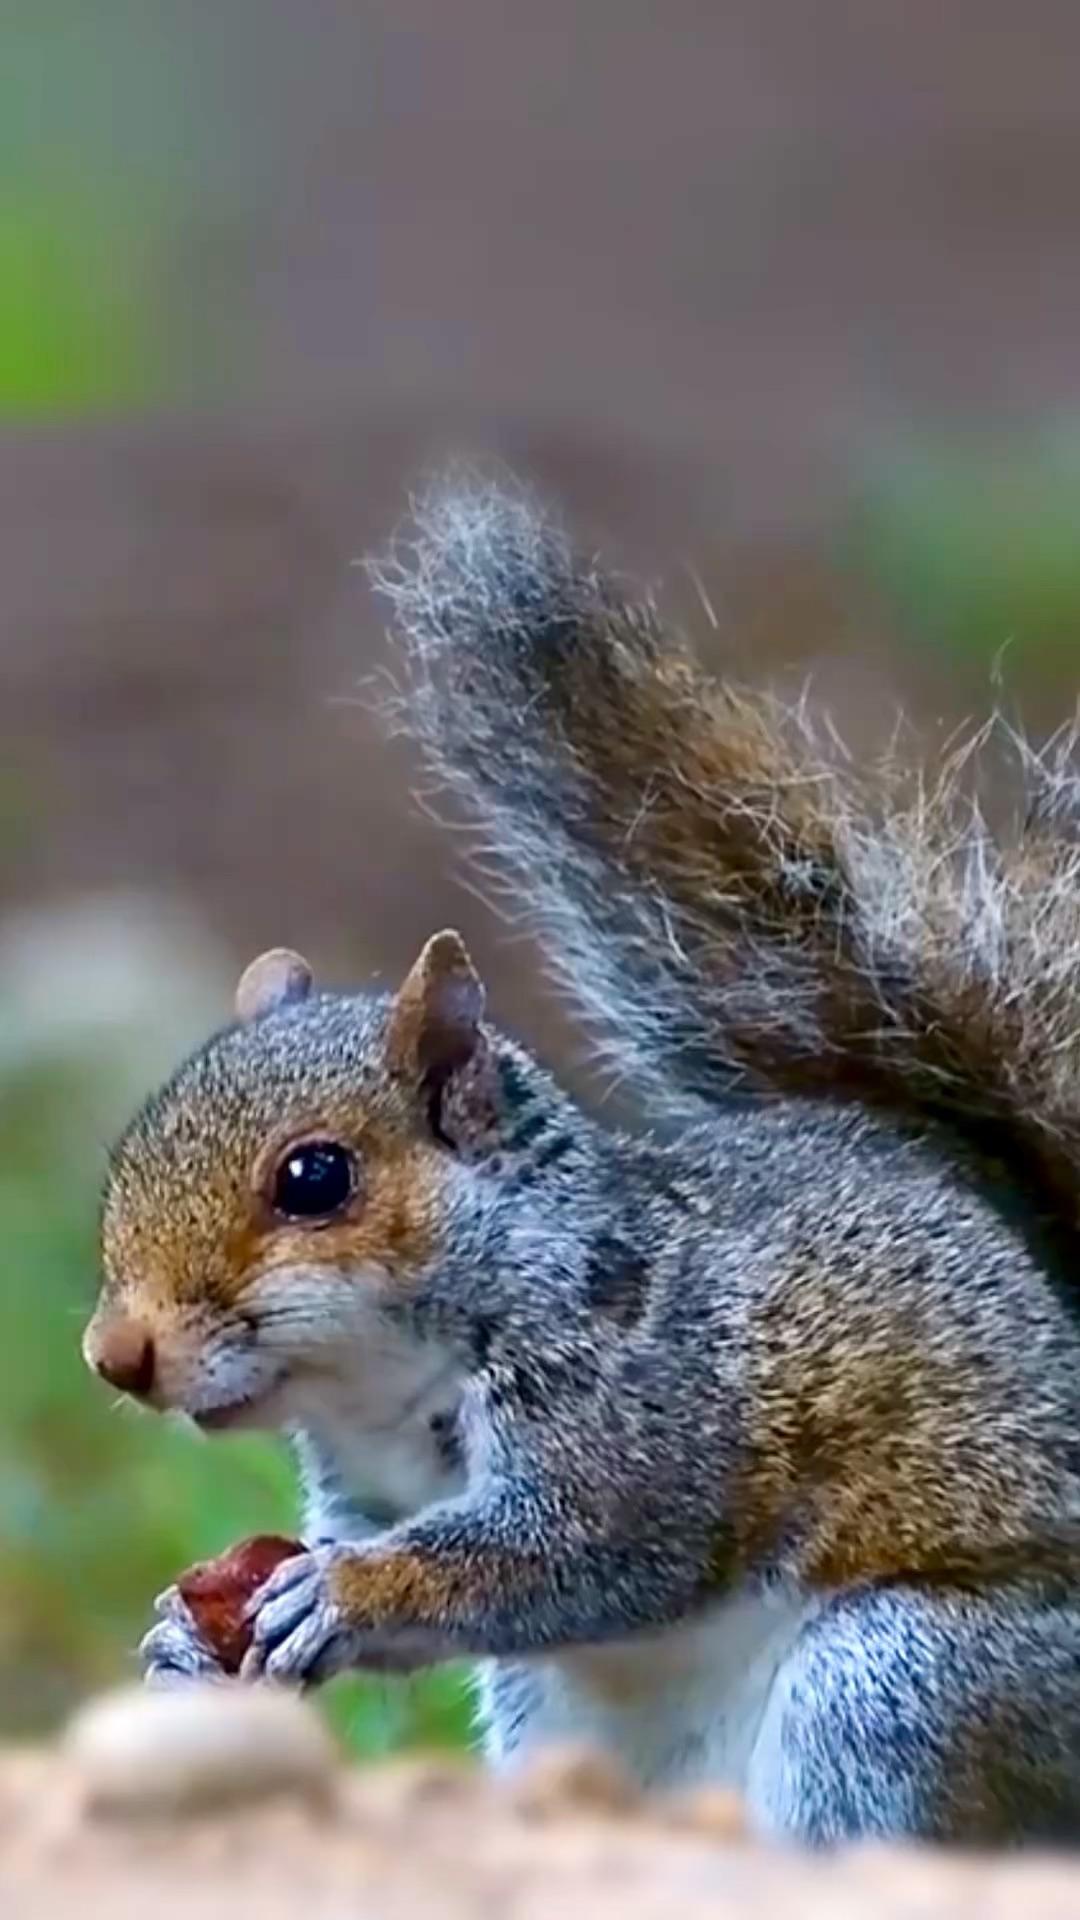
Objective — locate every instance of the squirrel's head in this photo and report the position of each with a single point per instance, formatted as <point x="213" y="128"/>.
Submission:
<point x="272" y="1212"/>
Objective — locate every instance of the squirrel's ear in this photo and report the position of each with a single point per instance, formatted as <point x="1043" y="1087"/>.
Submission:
<point x="279" y="978"/>
<point x="435" y="1023"/>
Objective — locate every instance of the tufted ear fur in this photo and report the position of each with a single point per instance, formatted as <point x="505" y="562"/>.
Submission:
<point x="436" y="1035"/>
<point x="279" y="978"/>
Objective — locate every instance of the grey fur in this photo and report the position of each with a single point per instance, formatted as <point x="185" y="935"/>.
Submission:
<point x="935" y="1712"/>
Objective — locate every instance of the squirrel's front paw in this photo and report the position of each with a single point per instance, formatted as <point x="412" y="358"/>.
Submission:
<point x="173" y="1650"/>
<point x="300" y="1630"/>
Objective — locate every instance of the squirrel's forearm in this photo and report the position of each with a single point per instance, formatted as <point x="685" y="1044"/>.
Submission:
<point x="507" y="1572"/>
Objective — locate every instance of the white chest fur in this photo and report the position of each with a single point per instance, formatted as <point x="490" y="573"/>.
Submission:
<point x="372" y="1458"/>
<point x="676" y="1708"/>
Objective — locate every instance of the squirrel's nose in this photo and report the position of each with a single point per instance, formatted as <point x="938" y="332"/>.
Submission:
<point x="123" y="1353"/>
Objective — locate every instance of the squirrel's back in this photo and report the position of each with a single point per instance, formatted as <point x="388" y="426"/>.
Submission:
<point x="892" y="1338"/>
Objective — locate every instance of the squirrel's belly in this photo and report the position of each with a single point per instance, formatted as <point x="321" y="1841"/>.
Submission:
<point x="674" y="1708"/>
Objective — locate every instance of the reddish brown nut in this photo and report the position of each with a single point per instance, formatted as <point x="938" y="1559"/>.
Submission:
<point x="216" y="1592"/>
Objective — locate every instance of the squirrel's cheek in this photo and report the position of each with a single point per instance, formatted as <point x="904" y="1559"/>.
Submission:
<point x="393" y="1235"/>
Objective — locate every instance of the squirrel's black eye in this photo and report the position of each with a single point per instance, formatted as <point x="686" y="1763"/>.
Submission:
<point x="314" y="1181"/>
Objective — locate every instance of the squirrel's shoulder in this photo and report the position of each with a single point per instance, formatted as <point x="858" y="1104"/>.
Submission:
<point x="803" y="1169"/>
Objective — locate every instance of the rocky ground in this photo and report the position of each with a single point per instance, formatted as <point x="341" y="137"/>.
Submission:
<point x="218" y="1806"/>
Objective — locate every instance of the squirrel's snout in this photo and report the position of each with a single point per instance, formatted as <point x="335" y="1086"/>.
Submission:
<point x="123" y="1353"/>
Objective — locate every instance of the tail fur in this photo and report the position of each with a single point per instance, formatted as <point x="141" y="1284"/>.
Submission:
<point x="724" y="894"/>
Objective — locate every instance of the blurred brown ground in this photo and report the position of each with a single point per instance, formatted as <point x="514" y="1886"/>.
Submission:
<point x="407" y="1841"/>
<point x="686" y="265"/>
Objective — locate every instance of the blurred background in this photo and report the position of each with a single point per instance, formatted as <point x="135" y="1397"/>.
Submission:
<point x="781" y="299"/>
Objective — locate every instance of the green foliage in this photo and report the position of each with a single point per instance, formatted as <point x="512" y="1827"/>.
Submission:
<point x="77" y="327"/>
<point x="80" y="219"/>
<point x="100" y="1506"/>
<point x="976" y="546"/>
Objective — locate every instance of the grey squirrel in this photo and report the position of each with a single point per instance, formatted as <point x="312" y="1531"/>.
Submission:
<point x="751" y="1453"/>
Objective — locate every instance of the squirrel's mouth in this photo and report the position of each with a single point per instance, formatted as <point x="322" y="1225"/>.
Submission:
<point x="247" y="1410"/>
<point x="219" y="1419"/>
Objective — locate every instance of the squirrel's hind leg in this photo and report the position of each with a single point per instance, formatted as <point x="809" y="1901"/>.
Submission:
<point x="930" y="1711"/>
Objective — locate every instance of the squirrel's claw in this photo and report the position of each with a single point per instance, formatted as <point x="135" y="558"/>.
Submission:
<point x="171" y="1605"/>
<point x="300" y="1632"/>
<point x="173" y="1651"/>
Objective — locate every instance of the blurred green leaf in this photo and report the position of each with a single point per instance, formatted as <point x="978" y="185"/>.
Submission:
<point x="77" y="326"/>
<point x="977" y="546"/>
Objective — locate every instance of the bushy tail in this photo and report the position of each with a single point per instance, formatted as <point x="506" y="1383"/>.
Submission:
<point x="724" y="894"/>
